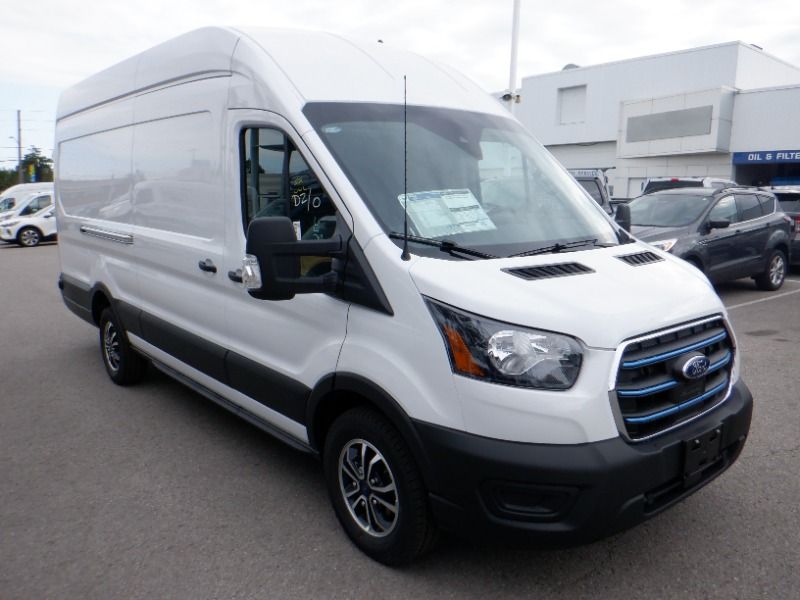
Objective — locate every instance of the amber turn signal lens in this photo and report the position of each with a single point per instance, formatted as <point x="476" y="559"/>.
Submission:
<point x="461" y="355"/>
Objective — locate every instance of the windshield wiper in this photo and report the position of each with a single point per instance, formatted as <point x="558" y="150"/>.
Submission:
<point x="444" y="245"/>
<point x="558" y="247"/>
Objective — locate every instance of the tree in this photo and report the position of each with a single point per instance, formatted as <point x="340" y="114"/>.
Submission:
<point x="36" y="166"/>
<point x="8" y="177"/>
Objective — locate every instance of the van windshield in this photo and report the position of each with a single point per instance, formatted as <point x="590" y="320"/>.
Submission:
<point x="6" y="204"/>
<point x="477" y="180"/>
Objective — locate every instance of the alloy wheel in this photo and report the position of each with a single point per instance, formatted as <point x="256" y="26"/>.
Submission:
<point x="777" y="270"/>
<point x="368" y="488"/>
<point x="111" y="347"/>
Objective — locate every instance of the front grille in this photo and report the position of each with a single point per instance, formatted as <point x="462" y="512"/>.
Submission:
<point x="652" y="391"/>
<point x="549" y="271"/>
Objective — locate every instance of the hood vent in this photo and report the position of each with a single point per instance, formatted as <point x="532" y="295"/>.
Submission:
<point x="549" y="271"/>
<point x="640" y="258"/>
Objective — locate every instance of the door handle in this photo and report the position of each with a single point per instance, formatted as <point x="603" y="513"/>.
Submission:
<point x="235" y="275"/>
<point x="207" y="265"/>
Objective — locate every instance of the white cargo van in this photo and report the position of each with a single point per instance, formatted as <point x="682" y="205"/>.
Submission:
<point x="415" y="292"/>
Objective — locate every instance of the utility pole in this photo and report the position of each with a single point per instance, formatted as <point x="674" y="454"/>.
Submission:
<point x="512" y="95"/>
<point x="20" y="175"/>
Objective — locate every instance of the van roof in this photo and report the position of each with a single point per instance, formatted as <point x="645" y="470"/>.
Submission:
<point x="308" y="66"/>
<point x="25" y="188"/>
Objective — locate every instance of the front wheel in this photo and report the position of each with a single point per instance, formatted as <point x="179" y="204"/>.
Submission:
<point x="123" y="364"/>
<point x="376" y="489"/>
<point x="29" y="237"/>
<point x="775" y="272"/>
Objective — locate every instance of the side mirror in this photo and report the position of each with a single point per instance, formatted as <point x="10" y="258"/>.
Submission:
<point x="718" y="224"/>
<point x="274" y="244"/>
<point x="623" y="216"/>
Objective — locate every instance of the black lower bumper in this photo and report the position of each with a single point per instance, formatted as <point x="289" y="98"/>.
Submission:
<point x="573" y="494"/>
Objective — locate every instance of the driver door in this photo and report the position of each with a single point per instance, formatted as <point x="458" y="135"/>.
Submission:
<point x="279" y="350"/>
<point x="721" y="259"/>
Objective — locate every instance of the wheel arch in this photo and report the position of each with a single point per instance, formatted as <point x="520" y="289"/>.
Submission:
<point x="101" y="299"/>
<point x="339" y="392"/>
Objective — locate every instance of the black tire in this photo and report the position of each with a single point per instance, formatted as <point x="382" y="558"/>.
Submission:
<point x="29" y="237"/>
<point x="123" y="364"/>
<point x="396" y="538"/>
<point x="774" y="273"/>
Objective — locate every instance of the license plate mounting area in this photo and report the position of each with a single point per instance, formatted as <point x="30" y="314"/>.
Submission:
<point x="700" y="453"/>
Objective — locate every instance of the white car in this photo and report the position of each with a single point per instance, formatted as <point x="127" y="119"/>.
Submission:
<point x="30" y="231"/>
<point x="25" y="199"/>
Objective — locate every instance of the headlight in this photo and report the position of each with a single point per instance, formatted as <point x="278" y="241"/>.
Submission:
<point x="665" y="245"/>
<point x="485" y="349"/>
<point x="9" y="224"/>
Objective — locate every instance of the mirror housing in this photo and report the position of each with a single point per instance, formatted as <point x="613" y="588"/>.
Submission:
<point x="718" y="224"/>
<point x="274" y="244"/>
<point x="623" y="216"/>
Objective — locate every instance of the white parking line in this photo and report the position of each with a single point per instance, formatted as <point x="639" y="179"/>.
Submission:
<point x="773" y="297"/>
<point x="792" y="280"/>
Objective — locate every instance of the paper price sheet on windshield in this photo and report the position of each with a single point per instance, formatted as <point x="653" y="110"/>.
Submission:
<point x="440" y="213"/>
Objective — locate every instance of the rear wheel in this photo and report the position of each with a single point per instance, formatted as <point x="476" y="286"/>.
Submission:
<point x="29" y="237"/>
<point x="376" y="489"/>
<point x="774" y="273"/>
<point x="123" y="364"/>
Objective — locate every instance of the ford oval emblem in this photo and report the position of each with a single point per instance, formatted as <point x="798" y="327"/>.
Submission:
<point x="695" y="367"/>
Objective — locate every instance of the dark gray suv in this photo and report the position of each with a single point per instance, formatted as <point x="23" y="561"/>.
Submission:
<point x="727" y="234"/>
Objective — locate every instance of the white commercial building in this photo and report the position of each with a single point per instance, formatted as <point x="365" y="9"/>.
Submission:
<point x="728" y="110"/>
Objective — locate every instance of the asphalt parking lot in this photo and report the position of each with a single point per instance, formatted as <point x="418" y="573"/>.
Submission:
<point x="154" y="492"/>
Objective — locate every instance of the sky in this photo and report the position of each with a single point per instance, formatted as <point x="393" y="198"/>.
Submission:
<point x="49" y="45"/>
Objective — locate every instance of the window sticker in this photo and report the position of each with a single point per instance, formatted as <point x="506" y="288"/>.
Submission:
<point x="439" y="213"/>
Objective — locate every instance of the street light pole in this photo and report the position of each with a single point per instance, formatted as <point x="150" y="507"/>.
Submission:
<point x="512" y="76"/>
<point x="20" y="176"/>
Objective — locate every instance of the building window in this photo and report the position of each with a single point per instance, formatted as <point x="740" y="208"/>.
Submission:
<point x="572" y="105"/>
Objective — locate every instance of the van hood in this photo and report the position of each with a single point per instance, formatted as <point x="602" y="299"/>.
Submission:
<point x="613" y="302"/>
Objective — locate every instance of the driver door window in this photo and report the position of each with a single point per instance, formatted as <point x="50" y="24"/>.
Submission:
<point x="36" y="205"/>
<point x="724" y="210"/>
<point x="277" y="182"/>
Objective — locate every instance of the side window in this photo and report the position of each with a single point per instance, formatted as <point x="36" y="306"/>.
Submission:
<point x="749" y="208"/>
<point x="277" y="181"/>
<point x="725" y="209"/>
<point x="767" y="204"/>
<point x="36" y="205"/>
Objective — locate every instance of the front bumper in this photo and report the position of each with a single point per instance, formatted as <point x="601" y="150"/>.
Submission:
<point x="571" y="494"/>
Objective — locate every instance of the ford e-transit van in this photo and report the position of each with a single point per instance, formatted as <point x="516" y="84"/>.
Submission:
<point x="359" y="251"/>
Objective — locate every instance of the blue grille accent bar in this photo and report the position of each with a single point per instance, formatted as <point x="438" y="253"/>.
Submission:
<point x="667" y="385"/>
<point x="720" y="363"/>
<point x="648" y="390"/>
<point x="672" y="354"/>
<point x="679" y="407"/>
